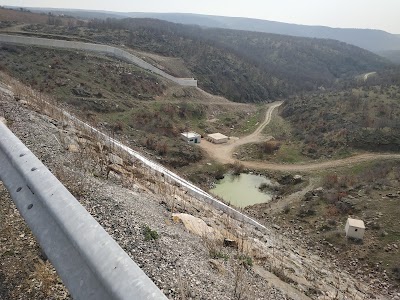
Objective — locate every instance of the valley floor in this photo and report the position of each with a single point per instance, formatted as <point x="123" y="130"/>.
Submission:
<point x="224" y="153"/>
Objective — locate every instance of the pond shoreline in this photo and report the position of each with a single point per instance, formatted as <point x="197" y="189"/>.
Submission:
<point x="243" y="190"/>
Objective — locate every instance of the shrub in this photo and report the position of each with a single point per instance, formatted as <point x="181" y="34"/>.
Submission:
<point x="331" y="196"/>
<point x="306" y="212"/>
<point x="219" y="171"/>
<point x="162" y="148"/>
<point x="270" y="147"/>
<point x="330" y="181"/>
<point x="150" y="143"/>
<point x="246" y="260"/>
<point x="332" y="210"/>
<point x="150" y="234"/>
<point x="344" y="208"/>
<point x="237" y="168"/>
<point x="218" y="254"/>
<point x="118" y="127"/>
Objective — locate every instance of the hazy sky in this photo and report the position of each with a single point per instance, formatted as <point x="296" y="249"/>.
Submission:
<point x="377" y="14"/>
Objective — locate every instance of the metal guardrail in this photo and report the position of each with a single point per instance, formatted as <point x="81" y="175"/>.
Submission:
<point x="90" y="263"/>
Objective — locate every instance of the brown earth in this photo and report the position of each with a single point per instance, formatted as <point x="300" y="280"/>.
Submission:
<point x="224" y="153"/>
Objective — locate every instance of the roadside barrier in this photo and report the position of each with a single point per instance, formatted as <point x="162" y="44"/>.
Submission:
<point x="90" y="263"/>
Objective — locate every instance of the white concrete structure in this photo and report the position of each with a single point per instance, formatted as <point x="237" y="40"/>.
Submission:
<point x="217" y="138"/>
<point x="355" y="228"/>
<point x="191" y="137"/>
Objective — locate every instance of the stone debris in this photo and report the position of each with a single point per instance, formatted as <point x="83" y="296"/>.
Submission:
<point x="197" y="226"/>
<point x="73" y="148"/>
<point x="115" y="159"/>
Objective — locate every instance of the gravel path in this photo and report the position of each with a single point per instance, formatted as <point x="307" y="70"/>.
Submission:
<point x="223" y="153"/>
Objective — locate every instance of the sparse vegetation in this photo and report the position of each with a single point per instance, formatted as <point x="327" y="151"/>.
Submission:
<point x="237" y="168"/>
<point x="149" y="234"/>
<point x="286" y="152"/>
<point x="269" y="147"/>
<point x="331" y="124"/>
<point x="218" y="254"/>
<point x="243" y="66"/>
<point x="245" y="260"/>
<point x="142" y="109"/>
<point x="369" y="192"/>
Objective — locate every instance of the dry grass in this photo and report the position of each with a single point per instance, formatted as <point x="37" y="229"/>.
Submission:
<point x="23" y="273"/>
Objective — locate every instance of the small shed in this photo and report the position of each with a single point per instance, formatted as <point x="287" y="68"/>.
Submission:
<point x="191" y="137"/>
<point x="355" y="228"/>
<point x="217" y="138"/>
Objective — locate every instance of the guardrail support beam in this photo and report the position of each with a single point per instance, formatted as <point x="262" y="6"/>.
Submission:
<point x="90" y="263"/>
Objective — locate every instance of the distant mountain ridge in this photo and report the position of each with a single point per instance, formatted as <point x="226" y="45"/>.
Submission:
<point x="378" y="41"/>
<point x="370" y="39"/>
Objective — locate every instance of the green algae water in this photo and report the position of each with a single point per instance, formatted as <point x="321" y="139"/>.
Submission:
<point x="242" y="190"/>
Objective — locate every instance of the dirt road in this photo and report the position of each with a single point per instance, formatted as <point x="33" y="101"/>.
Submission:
<point x="223" y="153"/>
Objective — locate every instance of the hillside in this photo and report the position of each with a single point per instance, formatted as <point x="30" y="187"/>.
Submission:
<point x="151" y="218"/>
<point x="392" y="55"/>
<point x="372" y="40"/>
<point x="10" y="15"/>
<point x="363" y="118"/>
<point x="242" y="66"/>
<point x="177" y="256"/>
<point x="17" y="16"/>
<point x="148" y="111"/>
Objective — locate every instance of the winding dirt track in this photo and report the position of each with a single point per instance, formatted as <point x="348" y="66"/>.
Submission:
<point x="223" y="153"/>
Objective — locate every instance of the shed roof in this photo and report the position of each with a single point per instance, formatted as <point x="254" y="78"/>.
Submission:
<point x="356" y="223"/>
<point x="190" y="134"/>
<point x="217" y="136"/>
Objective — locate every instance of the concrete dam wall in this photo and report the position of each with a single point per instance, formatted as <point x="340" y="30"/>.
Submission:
<point x="114" y="51"/>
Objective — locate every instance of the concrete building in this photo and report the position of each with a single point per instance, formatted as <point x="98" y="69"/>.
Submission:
<point x="217" y="138"/>
<point x="191" y="137"/>
<point x="355" y="228"/>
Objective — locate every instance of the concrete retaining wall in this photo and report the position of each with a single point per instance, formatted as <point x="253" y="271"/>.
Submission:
<point x="114" y="51"/>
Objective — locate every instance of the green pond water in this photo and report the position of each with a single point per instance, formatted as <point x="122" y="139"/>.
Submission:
<point x="242" y="190"/>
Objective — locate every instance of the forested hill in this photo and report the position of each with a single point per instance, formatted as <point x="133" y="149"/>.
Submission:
<point x="370" y="39"/>
<point x="244" y="66"/>
<point x="374" y="40"/>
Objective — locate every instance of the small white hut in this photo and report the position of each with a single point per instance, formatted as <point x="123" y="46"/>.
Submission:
<point x="191" y="137"/>
<point x="355" y="228"/>
<point x="217" y="138"/>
